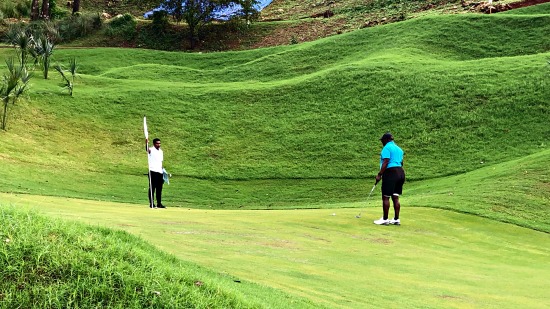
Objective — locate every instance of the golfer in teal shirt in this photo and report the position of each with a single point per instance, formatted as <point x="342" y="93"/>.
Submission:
<point x="393" y="153"/>
<point x="393" y="177"/>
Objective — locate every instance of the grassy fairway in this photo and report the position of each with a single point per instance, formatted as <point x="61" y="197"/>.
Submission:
<point x="436" y="259"/>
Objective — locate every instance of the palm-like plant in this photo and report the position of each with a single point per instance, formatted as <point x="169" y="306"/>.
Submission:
<point x="69" y="82"/>
<point x="22" y="41"/>
<point x="43" y="50"/>
<point x="14" y="84"/>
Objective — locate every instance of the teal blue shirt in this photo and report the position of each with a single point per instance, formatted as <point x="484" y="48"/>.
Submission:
<point x="392" y="152"/>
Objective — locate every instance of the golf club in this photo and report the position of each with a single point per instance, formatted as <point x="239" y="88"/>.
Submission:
<point x="371" y="190"/>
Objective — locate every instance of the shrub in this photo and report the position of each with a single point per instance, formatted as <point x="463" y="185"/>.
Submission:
<point x="123" y="26"/>
<point x="23" y="8"/>
<point x="78" y="25"/>
<point x="44" y="28"/>
<point x="160" y="21"/>
<point x="15" y="9"/>
<point x="171" y="39"/>
<point x="57" y="12"/>
<point x="8" y="8"/>
<point x="122" y="21"/>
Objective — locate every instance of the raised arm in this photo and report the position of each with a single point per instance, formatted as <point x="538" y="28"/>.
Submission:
<point x="147" y="145"/>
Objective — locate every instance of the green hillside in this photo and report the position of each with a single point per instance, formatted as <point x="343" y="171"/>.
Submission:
<point x="453" y="94"/>
<point x="515" y="191"/>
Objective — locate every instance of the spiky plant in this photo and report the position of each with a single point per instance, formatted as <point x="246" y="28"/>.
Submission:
<point x="14" y="84"/>
<point x="22" y="41"/>
<point x="44" y="50"/>
<point x="68" y="82"/>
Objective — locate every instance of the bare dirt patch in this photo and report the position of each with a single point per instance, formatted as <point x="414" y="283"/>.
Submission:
<point x="305" y="31"/>
<point x="448" y="297"/>
<point x="496" y="7"/>
<point x="323" y="22"/>
<point x="383" y="241"/>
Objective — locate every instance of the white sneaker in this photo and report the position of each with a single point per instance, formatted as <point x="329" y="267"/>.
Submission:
<point x="382" y="222"/>
<point x="395" y="222"/>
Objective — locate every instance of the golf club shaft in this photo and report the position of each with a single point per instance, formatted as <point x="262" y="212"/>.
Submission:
<point x="368" y="198"/>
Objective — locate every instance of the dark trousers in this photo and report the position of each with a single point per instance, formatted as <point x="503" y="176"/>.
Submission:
<point x="156" y="181"/>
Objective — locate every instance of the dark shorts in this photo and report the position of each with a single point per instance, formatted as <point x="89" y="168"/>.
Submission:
<point x="392" y="181"/>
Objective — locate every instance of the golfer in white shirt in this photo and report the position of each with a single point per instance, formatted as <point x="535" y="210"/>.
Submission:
<point x="156" y="180"/>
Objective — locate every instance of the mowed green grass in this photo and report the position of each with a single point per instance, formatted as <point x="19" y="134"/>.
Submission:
<point x="435" y="259"/>
<point x="51" y="263"/>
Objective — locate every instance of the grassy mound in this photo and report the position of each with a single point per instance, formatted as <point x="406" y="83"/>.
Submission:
<point x="515" y="191"/>
<point x="46" y="263"/>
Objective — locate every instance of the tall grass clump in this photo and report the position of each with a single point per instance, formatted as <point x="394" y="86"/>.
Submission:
<point x="47" y="263"/>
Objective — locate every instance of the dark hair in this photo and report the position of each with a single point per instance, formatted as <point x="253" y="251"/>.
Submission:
<point x="156" y="140"/>
<point x="387" y="136"/>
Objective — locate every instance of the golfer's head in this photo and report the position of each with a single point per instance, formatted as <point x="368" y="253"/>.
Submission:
<point x="156" y="143"/>
<point x="387" y="137"/>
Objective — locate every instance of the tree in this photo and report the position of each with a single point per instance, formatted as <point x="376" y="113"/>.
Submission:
<point x="249" y="9"/>
<point x="14" y="84"/>
<point x="45" y="12"/>
<point x="175" y="7"/>
<point x="76" y="6"/>
<point x="34" y="10"/>
<point x="196" y="13"/>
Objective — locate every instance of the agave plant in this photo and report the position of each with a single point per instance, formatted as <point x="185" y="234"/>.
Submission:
<point x="14" y="84"/>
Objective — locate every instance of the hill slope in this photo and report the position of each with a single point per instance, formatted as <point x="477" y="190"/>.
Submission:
<point x="299" y="123"/>
<point x="515" y="191"/>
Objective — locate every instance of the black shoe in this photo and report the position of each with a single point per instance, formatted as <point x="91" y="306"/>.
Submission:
<point x="161" y="206"/>
<point x="152" y="206"/>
